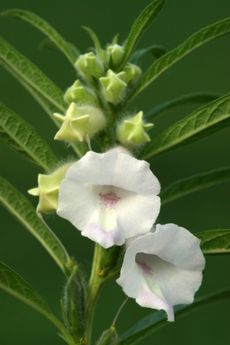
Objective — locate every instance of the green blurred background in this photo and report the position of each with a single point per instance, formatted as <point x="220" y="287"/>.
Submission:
<point x="207" y="69"/>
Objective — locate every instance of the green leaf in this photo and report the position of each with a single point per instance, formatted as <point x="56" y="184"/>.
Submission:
<point x="201" y="122"/>
<point x="94" y="38"/>
<point x="48" y="107"/>
<point x="215" y="241"/>
<point x="156" y="50"/>
<point x="199" y="97"/>
<point x="31" y="74"/>
<point x="196" y="40"/>
<point x="141" y="23"/>
<point x="194" y="183"/>
<point x="156" y="321"/>
<point x="46" y="43"/>
<point x="12" y="283"/>
<point x="46" y="29"/>
<point x="22" y="209"/>
<point x="19" y="134"/>
<point x="73" y="304"/>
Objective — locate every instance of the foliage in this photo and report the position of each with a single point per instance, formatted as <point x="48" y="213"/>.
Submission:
<point x="110" y="80"/>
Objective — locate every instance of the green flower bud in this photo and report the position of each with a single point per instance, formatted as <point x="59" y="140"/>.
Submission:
<point x="115" y="54"/>
<point x="132" y="132"/>
<point x="88" y="66"/>
<point x="131" y="73"/>
<point x="80" y="122"/>
<point x="80" y="94"/>
<point x="113" y="87"/>
<point x="48" y="189"/>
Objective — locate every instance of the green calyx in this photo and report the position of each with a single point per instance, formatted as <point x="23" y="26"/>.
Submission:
<point x="132" y="131"/>
<point x="80" y="123"/>
<point x="48" y="189"/>
<point x="81" y="94"/>
<point x="113" y="87"/>
<point x="89" y="66"/>
<point x="131" y="73"/>
<point x="115" y="54"/>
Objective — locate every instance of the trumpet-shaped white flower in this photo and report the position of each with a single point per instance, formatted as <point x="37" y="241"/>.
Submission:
<point x="163" y="268"/>
<point x="110" y="197"/>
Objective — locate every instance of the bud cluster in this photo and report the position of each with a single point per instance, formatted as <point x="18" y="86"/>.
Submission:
<point x="103" y="84"/>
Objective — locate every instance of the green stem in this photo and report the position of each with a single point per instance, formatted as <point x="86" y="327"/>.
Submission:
<point x="105" y="264"/>
<point x="64" y="332"/>
<point x="95" y="284"/>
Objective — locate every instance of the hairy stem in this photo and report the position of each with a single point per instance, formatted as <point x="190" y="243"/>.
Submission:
<point x="95" y="284"/>
<point x="105" y="266"/>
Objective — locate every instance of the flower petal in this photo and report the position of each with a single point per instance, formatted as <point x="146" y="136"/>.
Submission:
<point x="115" y="168"/>
<point x="138" y="213"/>
<point x="163" y="268"/>
<point x="109" y="197"/>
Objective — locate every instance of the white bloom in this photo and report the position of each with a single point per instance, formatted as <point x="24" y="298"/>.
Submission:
<point x="110" y="197"/>
<point x="163" y="268"/>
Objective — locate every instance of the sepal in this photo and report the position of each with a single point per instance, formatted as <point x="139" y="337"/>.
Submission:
<point x="113" y="87"/>
<point x="88" y="65"/>
<point x="131" y="73"/>
<point x="81" y="94"/>
<point x="48" y="189"/>
<point x="80" y="123"/>
<point x="132" y="131"/>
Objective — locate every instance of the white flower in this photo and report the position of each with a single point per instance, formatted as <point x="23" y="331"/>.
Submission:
<point x="163" y="268"/>
<point x="110" y="197"/>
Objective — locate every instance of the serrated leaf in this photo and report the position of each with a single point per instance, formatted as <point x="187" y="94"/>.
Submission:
<point x="140" y="24"/>
<point x="196" y="40"/>
<point x="194" y="183"/>
<point x="215" y="241"/>
<point x="19" y="134"/>
<point x="45" y="28"/>
<point x="201" y="122"/>
<point x="22" y="209"/>
<point x="156" y="320"/>
<point x="31" y="74"/>
<point x="198" y="97"/>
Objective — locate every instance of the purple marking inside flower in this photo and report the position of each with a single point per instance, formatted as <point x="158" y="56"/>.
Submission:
<point x="143" y="265"/>
<point x="109" y="199"/>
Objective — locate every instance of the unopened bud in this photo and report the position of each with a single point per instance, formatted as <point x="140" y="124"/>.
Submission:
<point x="131" y="73"/>
<point x="115" y="54"/>
<point x="48" y="189"/>
<point x="80" y="123"/>
<point x="88" y="65"/>
<point x="132" y="131"/>
<point x="81" y="94"/>
<point x="113" y="87"/>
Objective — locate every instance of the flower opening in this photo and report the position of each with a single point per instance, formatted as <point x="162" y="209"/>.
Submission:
<point x="110" y="197"/>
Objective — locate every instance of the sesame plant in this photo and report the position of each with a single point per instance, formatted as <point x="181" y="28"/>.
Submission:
<point x="107" y="190"/>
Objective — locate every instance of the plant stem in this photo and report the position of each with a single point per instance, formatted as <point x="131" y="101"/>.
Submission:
<point x="64" y="332"/>
<point x="95" y="284"/>
<point x="105" y="264"/>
